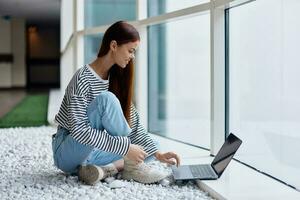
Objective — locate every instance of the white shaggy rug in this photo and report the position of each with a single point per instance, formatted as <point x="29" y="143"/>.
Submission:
<point x="27" y="172"/>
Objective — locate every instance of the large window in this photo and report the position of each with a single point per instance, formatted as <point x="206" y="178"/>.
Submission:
<point x="264" y="85"/>
<point x="261" y="75"/>
<point x="179" y="80"/>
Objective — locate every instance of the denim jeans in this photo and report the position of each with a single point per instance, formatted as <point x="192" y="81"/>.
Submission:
<point x="104" y="112"/>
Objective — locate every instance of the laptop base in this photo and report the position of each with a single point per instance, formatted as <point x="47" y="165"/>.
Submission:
<point x="184" y="172"/>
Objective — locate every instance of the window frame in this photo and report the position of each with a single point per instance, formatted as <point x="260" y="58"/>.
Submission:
<point x="217" y="40"/>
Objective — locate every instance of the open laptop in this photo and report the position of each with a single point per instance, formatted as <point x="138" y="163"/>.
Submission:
<point x="211" y="171"/>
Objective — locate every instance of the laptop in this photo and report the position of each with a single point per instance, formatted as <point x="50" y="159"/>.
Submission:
<point x="211" y="171"/>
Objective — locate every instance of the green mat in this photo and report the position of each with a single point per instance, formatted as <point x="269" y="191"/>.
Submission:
<point x="31" y="111"/>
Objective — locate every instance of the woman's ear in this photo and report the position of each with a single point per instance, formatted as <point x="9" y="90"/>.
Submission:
<point x="113" y="45"/>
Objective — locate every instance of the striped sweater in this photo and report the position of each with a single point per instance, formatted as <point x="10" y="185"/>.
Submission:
<point x="82" y="89"/>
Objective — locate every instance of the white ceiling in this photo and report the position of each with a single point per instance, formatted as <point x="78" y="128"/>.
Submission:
<point x="34" y="11"/>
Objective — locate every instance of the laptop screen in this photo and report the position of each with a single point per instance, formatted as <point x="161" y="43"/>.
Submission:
<point x="226" y="153"/>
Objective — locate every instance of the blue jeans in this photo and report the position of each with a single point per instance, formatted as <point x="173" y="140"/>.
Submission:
<point x="104" y="112"/>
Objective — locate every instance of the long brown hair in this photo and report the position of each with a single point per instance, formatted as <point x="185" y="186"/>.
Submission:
<point x="120" y="79"/>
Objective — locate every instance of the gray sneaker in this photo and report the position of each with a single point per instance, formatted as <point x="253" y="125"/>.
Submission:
<point x="91" y="174"/>
<point x="141" y="172"/>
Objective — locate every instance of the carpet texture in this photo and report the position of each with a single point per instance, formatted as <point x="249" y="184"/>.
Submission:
<point x="31" y="111"/>
<point x="27" y="172"/>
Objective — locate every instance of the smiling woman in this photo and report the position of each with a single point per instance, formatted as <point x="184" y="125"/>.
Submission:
<point x="100" y="132"/>
<point x="118" y="46"/>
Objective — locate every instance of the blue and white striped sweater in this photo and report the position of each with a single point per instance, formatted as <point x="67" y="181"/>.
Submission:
<point x="82" y="89"/>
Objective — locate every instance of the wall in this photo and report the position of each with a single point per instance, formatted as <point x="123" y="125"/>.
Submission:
<point x="12" y="40"/>
<point x="18" y="50"/>
<point x="5" y="49"/>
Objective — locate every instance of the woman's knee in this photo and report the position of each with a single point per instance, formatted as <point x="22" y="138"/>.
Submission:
<point x="112" y="116"/>
<point x="104" y="102"/>
<point x="107" y="98"/>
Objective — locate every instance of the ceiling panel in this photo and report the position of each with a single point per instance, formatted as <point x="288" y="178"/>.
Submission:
<point x="35" y="11"/>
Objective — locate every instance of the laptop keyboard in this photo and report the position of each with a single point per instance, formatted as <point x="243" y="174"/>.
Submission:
<point x="202" y="171"/>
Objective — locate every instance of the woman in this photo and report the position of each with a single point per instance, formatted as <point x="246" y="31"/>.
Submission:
<point x="99" y="132"/>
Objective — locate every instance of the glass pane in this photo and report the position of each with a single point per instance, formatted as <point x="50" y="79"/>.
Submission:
<point x="91" y="47"/>
<point x="179" y="80"/>
<point x="104" y="12"/>
<point x="158" y="7"/>
<point x="264" y="80"/>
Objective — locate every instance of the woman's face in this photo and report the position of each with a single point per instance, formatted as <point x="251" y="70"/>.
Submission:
<point x="125" y="52"/>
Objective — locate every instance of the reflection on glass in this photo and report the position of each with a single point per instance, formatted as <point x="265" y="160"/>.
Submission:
<point x="105" y="12"/>
<point x="179" y="80"/>
<point x="264" y="86"/>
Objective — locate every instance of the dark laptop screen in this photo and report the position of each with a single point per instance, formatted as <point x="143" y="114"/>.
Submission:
<point x="226" y="153"/>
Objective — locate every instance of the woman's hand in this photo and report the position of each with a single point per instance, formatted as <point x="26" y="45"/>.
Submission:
<point x="136" y="153"/>
<point x="169" y="157"/>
